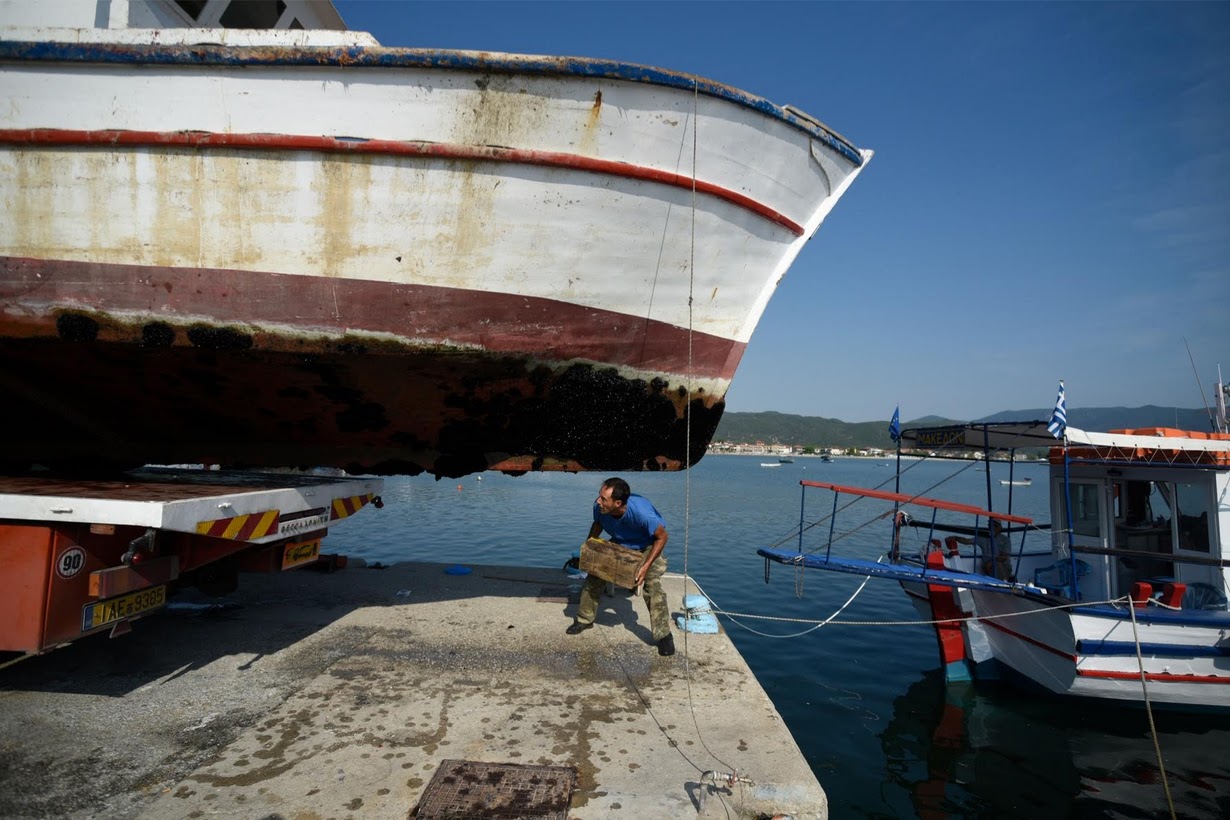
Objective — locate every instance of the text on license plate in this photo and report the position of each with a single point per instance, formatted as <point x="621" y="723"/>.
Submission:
<point x="299" y="554"/>
<point x="101" y="613"/>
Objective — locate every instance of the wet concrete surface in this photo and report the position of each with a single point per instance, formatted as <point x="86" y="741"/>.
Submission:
<point x="309" y="695"/>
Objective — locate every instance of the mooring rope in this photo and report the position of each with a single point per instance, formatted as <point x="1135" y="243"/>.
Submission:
<point x="1144" y="686"/>
<point x="1126" y="601"/>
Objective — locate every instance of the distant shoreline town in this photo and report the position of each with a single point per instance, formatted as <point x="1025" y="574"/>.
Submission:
<point x="760" y="448"/>
<point x="788" y="451"/>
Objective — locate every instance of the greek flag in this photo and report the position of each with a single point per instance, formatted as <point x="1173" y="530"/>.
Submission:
<point x="894" y="426"/>
<point x="1059" y="418"/>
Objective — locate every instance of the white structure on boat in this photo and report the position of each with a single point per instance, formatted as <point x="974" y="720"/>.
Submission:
<point x="286" y="244"/>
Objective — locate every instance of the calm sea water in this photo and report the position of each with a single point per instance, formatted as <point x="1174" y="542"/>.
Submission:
<point x="868" y="705"/>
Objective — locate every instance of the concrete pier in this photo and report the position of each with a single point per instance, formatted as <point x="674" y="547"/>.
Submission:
<point x="312" y="695"/>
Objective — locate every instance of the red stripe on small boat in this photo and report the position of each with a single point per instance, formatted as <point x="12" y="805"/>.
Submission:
<point x="435" y="150"/>
<point x="995" y="624"/>
<point x="1162" y="677"/>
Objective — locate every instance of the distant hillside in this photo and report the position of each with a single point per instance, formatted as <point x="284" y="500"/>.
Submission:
<point x="814" y="431"/>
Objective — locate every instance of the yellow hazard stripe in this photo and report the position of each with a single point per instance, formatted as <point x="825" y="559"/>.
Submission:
<point x="344" y="507"/>
<point x="242" y="527"/>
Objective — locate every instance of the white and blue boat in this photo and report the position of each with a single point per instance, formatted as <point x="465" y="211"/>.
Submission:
<point x="1126" y="603"/>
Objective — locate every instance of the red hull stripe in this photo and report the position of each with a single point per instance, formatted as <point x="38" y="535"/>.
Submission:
<point x="432" y="150"/>
<point x="1162" y="677"/>
<point x="997" y="624"/>
<point x="1106" y="674"/>
<point x="547" y="329"/>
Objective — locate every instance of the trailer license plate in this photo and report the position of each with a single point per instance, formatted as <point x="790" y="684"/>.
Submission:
<point x="101" y="613"/>
<point x="300" y="553"/>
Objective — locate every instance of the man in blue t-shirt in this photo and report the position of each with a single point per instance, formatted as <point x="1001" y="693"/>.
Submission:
<point x="632" y="522"/>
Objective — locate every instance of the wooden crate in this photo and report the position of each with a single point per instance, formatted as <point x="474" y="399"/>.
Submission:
<point x="611" y="562"/>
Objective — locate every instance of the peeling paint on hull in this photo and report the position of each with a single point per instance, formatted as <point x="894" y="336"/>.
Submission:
<point x="448" y="413"/>
<point x="278" y="254"/>
<point x="488" y="382"/>
<point x="445" y="411"/>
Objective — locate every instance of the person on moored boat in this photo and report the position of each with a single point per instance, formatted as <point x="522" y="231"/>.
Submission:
<point x="995" y="549"/>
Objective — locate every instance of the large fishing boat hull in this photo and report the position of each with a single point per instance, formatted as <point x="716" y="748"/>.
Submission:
<point x="272" y="248"/>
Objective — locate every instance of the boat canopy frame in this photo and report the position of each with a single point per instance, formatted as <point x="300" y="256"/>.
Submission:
<point x="899" y="500"/>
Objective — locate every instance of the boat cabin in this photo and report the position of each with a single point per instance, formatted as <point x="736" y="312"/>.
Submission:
<point x="1145" y="513"/>
<point x="1138" y="512"/>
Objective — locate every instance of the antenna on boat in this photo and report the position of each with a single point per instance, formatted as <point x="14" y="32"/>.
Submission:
<point x="1218" y="422"/>
<point x="1219" y="397"/>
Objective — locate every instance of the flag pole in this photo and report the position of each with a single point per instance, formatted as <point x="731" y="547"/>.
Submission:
<point x="1059" y="429"/>
<point x="894" y="432"/>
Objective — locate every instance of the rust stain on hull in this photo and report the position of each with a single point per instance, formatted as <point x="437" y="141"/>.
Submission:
<point x="209" y="394"/>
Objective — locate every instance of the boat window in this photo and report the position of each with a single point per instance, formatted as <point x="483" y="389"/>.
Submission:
<point x="192" y="8"/>
<point x="1086" y="518"/>
<point x="1192" y="505"/>
<point x="1158" y="509"/>
<point x="1134" y="500"/>
<point x="252" y="15"/>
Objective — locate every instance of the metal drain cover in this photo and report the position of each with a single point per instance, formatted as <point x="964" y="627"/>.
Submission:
<point x="555" y="594"/>
<point x="463" y="789"/>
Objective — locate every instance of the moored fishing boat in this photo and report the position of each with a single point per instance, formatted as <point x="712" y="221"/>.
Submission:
<point x="1129" y="602"/>
<point x="289" y="245"/>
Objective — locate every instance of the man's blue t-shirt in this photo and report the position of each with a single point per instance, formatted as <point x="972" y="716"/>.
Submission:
<point x="635" y="528"/>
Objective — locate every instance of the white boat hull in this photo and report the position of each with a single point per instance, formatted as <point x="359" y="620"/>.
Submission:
<point x="506" y="238"/>
<point x="1090" y="651"/>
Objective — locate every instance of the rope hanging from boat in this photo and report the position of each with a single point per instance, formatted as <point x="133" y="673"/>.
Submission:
<point x="687" y="426"/>
<point x="1126" y="601"/>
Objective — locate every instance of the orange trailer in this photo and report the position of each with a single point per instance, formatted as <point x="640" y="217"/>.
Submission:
<point x="81" y="556"/>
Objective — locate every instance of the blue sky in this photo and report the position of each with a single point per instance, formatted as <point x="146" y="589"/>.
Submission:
<point x="1050" y="195"/>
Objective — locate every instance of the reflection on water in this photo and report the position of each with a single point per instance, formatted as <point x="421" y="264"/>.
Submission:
<point x="866" y="704"/>
<point x="961" y="751"/>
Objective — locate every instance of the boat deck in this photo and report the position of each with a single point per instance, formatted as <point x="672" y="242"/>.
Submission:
<point x="341" y="695"/>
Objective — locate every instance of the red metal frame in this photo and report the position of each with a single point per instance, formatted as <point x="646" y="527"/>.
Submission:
<point x="921" y="501"/>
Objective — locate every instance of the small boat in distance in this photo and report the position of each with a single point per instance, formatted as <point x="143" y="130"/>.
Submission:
<point x="1128" y="601"/>
<point x="826" y="458"/>
<point x="1018" y="482"/>
<point x="253" y="237"/>
<point x="770" y="464"/>
<point x="785" y="460"/>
